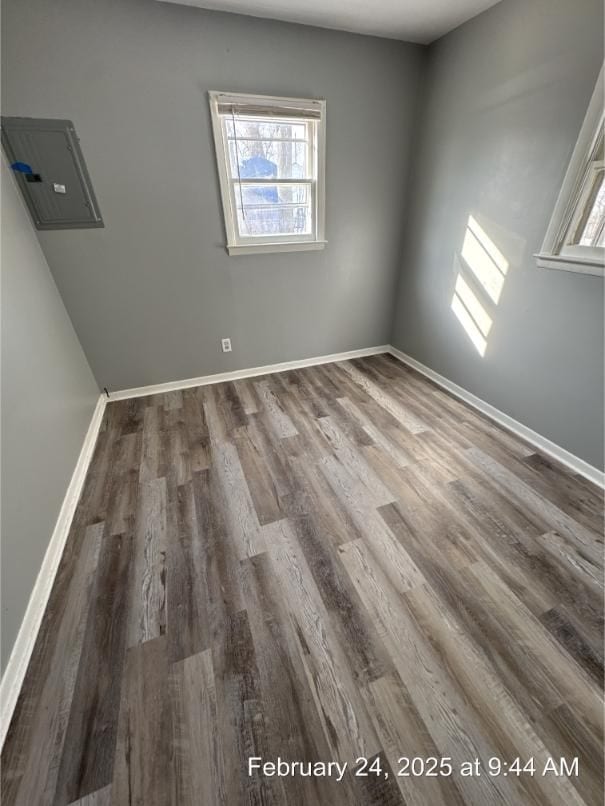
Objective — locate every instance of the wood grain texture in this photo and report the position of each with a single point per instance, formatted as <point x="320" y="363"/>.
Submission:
<point x="317" y="565"/>
<point x="337" y="698"/>
<point x="147" y="612"/>
<point x="199" y="770"/>
<point x="89" y="748"/>
<point x="143" y="755"/>
<point x="100" y="798"/>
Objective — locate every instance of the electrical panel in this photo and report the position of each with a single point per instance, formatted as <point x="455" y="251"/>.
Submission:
<point x="46" y="158"/>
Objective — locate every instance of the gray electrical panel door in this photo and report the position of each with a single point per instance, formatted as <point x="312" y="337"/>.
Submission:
<point x="48" y="163"/>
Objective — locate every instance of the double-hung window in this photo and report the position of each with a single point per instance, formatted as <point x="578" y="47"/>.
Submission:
<point x="575" y="240"/>
<point x="270" y="155"/>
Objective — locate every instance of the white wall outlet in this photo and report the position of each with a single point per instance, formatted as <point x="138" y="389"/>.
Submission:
<point x="226" y="345"/>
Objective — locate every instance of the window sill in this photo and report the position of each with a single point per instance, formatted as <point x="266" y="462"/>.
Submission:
<point x="263" y="248"/>
<point x="565" y="263"/>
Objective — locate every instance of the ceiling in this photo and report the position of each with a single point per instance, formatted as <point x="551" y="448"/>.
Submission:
<point x="410" y="20"/>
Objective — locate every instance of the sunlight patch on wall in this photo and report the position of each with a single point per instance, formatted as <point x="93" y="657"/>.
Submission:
<point x="468" y="323"/>
<point x="469" y="299"/>
<point x="484" y="259"/>
<point x="488" y="267"/>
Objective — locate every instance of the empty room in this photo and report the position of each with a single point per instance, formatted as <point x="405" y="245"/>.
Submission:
<point x="302" y="402"/>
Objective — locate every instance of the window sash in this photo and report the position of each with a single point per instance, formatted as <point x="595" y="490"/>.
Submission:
<point x="286" y="237"/>
<point x="239" y="183"/>
<point x="579" y="201"/>
<point x="310" y="142"/>
<point x="594" y="180"/>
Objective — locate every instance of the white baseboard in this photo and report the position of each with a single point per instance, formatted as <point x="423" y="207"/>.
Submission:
<point x="269" y="369"/>
<point x="545" y="445"/>
<point x="14" y="674"/>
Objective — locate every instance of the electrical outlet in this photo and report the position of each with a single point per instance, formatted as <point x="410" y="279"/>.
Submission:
<point x="226" y="345"/>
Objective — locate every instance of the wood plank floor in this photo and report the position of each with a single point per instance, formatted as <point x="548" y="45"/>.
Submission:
<point x="327" y="564"/>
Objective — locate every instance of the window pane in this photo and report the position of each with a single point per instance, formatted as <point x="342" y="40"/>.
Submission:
<point x="268" y="148"/>
<point x="269" y="159"/>
<point x="273" y="209"/>
<point x="593" y="232"/>
<point x="266" y="128"/>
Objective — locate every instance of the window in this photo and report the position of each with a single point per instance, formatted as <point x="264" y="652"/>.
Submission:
<point x="575" y="240"/>
<point x="270" y="156"/>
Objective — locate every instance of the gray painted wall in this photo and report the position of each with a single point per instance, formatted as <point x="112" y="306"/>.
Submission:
<point x="504" y="102"/>
<point x="48" y="396"/>
<point x="152" y="294"/>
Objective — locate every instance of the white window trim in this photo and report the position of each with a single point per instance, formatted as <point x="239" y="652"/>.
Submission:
<point x="234" y="244"/>
<point x="553" y="254"/>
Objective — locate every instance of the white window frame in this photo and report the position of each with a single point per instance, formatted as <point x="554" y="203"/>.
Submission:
<point x="555" y="252"/>
<point x="248" y="245"/>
